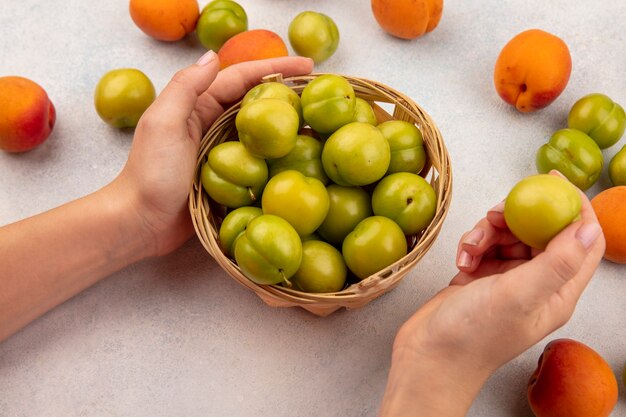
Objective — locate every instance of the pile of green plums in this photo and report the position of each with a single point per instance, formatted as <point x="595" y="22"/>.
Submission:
<point x="595" y="122"/>
<point x="318" y="193"/>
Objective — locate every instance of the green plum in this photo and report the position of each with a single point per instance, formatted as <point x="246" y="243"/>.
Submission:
<point x="617" y="168"/>
<point x="219" y="21"/>
<point x="375" y="243"/>
<point x="574" y="154"/>
<point x="268" y="128"/>
<point x="538" y="207"/>
<point x="599" y="117"/>
<point x="232" y="176"/>
<point x="235" y="223"/>
<point x="274" y="90"/>
<point x="363" y="112"/>
<point x="302" y="201"/>
<point x="322" y="269"/>
<point x="328" y="103"/>
<point x="313" y="35"/>
<point x="269" y="251"/>
<point x="407" y="199"/>
<point x="348" y="206"/>
<point x="356" y="154"/>
<point x="305" y="157"/>
<point x="407" y="146"/>
<point x="122" y="96"/>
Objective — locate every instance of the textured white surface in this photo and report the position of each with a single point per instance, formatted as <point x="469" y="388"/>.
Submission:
<point x="175" y="336"/>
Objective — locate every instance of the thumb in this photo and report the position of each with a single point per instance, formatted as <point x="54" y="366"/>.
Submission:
<point x="179" y="97"/>
<point x="565" y="258"/>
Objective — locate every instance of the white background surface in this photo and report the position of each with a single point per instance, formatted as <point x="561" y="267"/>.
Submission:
<point x="175" y="336"/>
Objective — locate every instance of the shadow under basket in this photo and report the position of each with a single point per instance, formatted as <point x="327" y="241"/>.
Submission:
<point x="388" y="104"/>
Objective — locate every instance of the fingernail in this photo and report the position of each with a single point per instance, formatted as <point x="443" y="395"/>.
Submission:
<point x="499" y="208"/>
<point x="474" y="237"/>
<point x="588" y="233"/>
<point x="206" y="58"/>
<point x="557" y="173"/>
<point x="465" y="259"/>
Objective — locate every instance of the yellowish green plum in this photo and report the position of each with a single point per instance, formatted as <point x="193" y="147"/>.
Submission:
<point x="322" y="269"/>
<point x="617" y="168"/>
<point x="538" y="207"/>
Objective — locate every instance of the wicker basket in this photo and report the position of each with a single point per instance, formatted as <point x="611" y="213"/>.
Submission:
<point x="388" y="104"/>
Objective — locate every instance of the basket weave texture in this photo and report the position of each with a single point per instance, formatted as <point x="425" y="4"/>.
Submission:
<point x="388" y="104"/>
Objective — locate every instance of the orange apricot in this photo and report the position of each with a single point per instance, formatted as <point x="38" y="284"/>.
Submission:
<point x="250" y="46"/>
<point x="165" y="20"/>
<point x="572" y="380"/>
<point x="610" y="208"/>
<point x="27" y="115"/>
<point x="532" y="70"/>
<point x="407" y="19"/>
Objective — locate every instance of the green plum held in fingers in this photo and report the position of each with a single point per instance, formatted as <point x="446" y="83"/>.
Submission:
<point x="268" y="128"/>
<point x="600" y="117"/>
<point x="617" y="168"/>
<point x="328" y="103"/>
<point x="574" y="154"/>
<point x="407" y="199"/>
<point x="313" y="35"/>
<point x="269" y="251"/>
<point x="356" y="154"/>
<point x="538" y="207"/>
<point x="375" y="243"/>
<point x="232" y="176"/>
<point x="219" y="21"/>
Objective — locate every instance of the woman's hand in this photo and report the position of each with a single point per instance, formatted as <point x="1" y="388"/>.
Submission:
<point x="160" y="168"/>
<point x="505" y="299"/>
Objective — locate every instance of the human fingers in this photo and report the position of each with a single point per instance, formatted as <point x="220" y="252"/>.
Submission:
<point x="569" y="262"/>
<point x="487" y="267"/>
<point x="234" y="81"/>
<point x="179" y="97"/>
<point x="475" y="244"/>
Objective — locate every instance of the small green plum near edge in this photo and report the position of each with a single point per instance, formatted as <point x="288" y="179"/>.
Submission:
<point x="356" y="154"/>
<point x="322" y="269"/>
<point x="600" y="117"/>
<point x="122" y="96"/>
<point x="363" y="112"/>
<point x="268" y="128"/>
<point x="574" y="154"/>
<point x="235" y="223"/>
<point x="275" y="90"/>
<point x="219" y="21"/>
<point x="375" y="243"/>
<point x="314" y="35"/>
<point x="302" y="201"/>
<point x="328" y="103"/>
<point x="232" y="176"/>
<point x="407" y="199"/>
<point x="617" y="168"/>
<point x="305" y="157"/>
<point x="407" y="146"/>
<point x="348" y="206"/>
<point x="538" y="207"/>
<point x="269" y="251"/>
